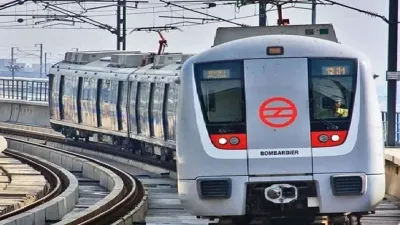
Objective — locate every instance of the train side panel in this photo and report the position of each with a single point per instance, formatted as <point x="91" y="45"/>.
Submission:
<point x="88" y="102"/>
<point x="133" y="112"/>
<point x="171" y="106"/>
<point x="69" y="93"/>
<point x="123" y="105"/>
<point x="157" y="110"/>
<point x="144" y="92"/>
<point x="54" y="96"/>
<point x="108" y="104"/>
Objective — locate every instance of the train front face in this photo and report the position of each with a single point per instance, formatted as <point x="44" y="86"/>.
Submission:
<point x="282" y="124"/>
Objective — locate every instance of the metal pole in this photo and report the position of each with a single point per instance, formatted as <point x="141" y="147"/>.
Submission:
<point x="41" y="58"/>
<point x="314" y="12"/>
<point x="118" y="24"/>
<point x="45" y="63"/>
<point x="12" y="72"/>
<point x="392" y="67"/>
<point x="280" y="18"/>
<point x="12" y="62"/>
<point x="261" y="14"/>
<point x="124" y="25"/>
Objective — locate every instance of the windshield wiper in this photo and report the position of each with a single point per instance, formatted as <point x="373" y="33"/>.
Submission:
<point x="330" y="126"/>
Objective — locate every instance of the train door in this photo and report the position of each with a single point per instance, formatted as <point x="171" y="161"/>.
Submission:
<point x="277" y="116"/>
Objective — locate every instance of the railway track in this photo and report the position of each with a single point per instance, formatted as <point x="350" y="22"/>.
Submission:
<point x="164" y="205"/>
<point x="128" y="198"/>
<point x="55" y="184"/>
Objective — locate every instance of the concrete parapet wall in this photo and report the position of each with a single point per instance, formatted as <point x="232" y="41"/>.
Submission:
<point x="24" y="112"/>
<point x="55" y="209"/>
<point x="392" y="169"/>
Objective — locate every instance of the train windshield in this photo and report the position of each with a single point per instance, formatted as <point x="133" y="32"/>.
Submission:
<point x="221" y="91"/>
<point x="332" y="88"/>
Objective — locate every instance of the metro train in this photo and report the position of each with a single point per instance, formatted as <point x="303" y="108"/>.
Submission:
<point x="127" y="99"/>
<point x="260" y="127"/>
<point x="280" y="125"/>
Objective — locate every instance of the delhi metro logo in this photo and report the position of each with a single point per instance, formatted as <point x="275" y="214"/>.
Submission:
<point x="277" y="112"/>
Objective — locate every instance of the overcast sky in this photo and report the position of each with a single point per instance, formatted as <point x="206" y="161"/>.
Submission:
<point x="365" y="33"/>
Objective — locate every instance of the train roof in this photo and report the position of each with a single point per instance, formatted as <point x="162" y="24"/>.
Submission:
<point x="322" y="31"/>
<point x="119" y="59"/>
<point x="122" y="65"/>
<point x="293" y="46"/>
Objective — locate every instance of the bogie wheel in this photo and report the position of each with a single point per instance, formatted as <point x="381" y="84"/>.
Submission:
<point x="245" y="220"/>
<point x="345" y="220"/>
<point x="240" y="220"/>
<point x="296" y="221"/>
<point x="351" y="220"/>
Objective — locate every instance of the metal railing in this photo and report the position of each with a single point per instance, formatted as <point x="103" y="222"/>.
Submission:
<point x="397" y="126"/>
<point x="20" y="88"/>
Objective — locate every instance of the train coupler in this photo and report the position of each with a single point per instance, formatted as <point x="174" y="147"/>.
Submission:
<point x="281" y="193"/>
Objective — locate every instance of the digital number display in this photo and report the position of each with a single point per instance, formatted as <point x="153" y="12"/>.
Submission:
<point x="216" y="74"/>
<point x="335" y="70"/>
<point x="333" y="67"/>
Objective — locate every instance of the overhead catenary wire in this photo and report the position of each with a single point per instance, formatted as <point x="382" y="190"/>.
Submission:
<point x="216" y="17"/>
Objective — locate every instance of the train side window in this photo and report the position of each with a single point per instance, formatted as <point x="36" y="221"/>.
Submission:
<point x="133" y="107"/>
<point x="143" y="107"/>
<point x="53" y="93"/>
<point x="62" y="83"/>
<point x="172" y="95"/>
<point x="75" y="87"/>
<point x="67" y="86"/>
<point x="144" y="94"/>
<point x="86" y="90"/>
<point x="113" y="92"/>
<point x="106" y="96"/>
<point x="157" y="97"/>
<point x="93" y="89"/>
<point x="124" y="99"/>
<point x="134" y="93"/>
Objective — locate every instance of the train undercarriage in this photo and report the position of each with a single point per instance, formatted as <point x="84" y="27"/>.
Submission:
<point x="137" y="147"/>
<point x="293" y="220"/>
<point x="287" y="204"/>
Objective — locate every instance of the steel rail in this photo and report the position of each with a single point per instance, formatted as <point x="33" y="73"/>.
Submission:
<point x="132" y="194"/>
<point x="58" y="182"/>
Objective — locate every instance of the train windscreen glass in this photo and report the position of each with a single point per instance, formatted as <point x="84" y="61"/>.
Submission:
<point x="220" y="88"/>
<point x="332" y="84"/>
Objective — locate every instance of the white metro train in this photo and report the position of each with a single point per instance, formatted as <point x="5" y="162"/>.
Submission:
<point x="279" y="125"/>
<point x="260" y="127"/>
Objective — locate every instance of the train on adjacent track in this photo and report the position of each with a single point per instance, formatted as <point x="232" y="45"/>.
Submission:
<point x="264" y="126"/>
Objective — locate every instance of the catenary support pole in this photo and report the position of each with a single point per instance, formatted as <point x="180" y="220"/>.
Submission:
<point x="392" y="67"/>
<point x="314" y="12"/>
<point x="262" y="14"/>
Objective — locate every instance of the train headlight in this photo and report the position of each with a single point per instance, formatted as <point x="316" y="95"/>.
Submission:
<point x="323" y="138"/>
<point x="234" y="140"/>
<point x="222" y="141"/>
<point x="335" y="137"/>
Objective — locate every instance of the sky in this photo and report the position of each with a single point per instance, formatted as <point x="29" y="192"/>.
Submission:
<point x="360" y="31"/>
